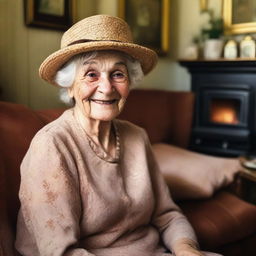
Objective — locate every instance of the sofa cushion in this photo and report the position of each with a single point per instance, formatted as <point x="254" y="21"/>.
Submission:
<point x="49" y="115"/>
<point x="166" y="116"/>
<point x="192" y="175"/>
<point x="220" y="220"/>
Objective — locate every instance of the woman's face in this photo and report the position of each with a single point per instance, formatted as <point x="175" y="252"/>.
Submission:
<point x="101" y="86"/>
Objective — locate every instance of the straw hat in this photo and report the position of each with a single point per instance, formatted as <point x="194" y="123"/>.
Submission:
<point x="98" y="32"/>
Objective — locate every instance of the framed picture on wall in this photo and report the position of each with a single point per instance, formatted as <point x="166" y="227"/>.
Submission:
<point x="52" y="14"/>
<point x="149" y="22"/>
<point x="239" y="16"/>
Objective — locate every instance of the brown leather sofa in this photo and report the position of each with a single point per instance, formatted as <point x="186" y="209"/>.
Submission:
<point x="224" y="223"/>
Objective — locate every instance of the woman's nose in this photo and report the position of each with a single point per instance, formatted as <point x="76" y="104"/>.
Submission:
<point x="105" y="86"/>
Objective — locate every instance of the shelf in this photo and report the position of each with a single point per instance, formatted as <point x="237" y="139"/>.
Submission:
<point x="219" y="60"/>
<point x="240" y="65"/>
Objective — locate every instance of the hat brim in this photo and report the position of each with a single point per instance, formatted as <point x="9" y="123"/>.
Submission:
<point x="50" y="66"/>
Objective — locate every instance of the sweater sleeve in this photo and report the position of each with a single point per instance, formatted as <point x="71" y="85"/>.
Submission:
<point x="50" y="200"/>
<point x="167" y="216"/>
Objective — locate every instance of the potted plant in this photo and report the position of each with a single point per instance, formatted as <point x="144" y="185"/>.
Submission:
<point x="211" y="35"/>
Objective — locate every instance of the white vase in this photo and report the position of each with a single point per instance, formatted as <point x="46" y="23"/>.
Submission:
<point x="213" y="48"/>
<point x="191" y="52"/>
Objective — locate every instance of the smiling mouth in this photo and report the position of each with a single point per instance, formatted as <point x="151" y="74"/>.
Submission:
<point x="104" y="102"/>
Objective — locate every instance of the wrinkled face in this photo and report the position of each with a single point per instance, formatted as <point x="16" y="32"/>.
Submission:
<point x="101" y="86"/>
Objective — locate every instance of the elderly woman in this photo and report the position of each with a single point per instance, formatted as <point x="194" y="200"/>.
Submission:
<point x="89" y="182"/>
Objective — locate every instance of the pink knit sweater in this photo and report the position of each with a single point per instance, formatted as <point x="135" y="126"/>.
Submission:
<point x="76" y="200"/>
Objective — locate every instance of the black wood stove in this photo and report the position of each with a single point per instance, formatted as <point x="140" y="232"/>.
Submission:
<point x="225" y="109"/>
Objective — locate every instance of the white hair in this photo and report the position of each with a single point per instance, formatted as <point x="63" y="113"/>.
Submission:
<point x="65" y="76"/>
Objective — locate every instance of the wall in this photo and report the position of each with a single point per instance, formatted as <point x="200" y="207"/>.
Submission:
<point x="22" y="49"/>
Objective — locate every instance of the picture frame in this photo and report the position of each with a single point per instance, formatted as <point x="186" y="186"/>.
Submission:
<point x="203" y="5"/>
<point x="149" y="22"/>
<point x="50" y="14"/>
<point x="239" y="16"/>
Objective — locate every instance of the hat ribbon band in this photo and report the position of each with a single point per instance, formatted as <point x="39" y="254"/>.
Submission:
<point x="89" y="40"/>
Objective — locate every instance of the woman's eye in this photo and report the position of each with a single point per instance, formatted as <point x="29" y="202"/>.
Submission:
<point x="91" y="76"/>
<point x="119" y="76"/>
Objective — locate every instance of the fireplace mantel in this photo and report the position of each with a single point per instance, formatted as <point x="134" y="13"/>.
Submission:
<point x="221" y="80"/>
<point x="233" y="65"/>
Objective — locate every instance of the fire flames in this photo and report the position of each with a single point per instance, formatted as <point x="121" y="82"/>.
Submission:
<point x="224" y="112"/>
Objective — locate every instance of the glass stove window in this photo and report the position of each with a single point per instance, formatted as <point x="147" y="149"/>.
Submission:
<point x="225" y="111"/>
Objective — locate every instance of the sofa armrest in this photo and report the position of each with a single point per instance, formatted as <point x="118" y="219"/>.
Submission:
<point x="222" y="219"/>
<point x="6" y="230"/>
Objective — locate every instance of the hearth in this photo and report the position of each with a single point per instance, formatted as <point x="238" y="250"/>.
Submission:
<point x="225" y="109"/>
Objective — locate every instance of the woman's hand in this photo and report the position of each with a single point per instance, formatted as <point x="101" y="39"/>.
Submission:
<point x="186" y="247"/>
